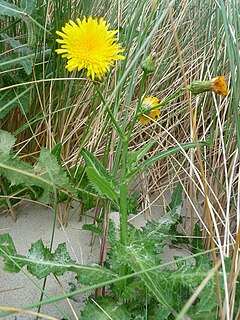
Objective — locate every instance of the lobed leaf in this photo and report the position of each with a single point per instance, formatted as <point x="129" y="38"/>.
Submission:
<point x="41" y="262"/>
<point x="46" y="174"/>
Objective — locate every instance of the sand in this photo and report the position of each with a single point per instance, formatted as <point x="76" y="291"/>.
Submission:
<point x="34" y="222"/>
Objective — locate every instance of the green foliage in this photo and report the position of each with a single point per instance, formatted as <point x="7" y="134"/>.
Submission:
<point x="16" y="45"/>
<point x="136" y="156"/>
<point x="132" y="201"/>
<point x="48" y="168"/>
<point x="41" y="262"/>
<point x="144" y="165"/>
<point x="86" y="192"/>
<point x="167" y="289"/>
<point x="11" y="10"/>
<point x="152" y="290"/>
<point x="7" y="249"/>
<point x="103" y="182"/>
<point x="105" y="308"/>
<point x="26" y="14"/>
<point x="46" y="174"/>
<point x="93" y="162"/>
<point x="14" y="98"/>
<point x="104" y="187"/>
<point x="92" y="228"/>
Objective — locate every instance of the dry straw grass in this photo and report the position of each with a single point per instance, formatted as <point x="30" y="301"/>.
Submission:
<point x="70" y="112"/>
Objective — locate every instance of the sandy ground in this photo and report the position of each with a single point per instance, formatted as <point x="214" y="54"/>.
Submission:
<point x="35" y="222"/>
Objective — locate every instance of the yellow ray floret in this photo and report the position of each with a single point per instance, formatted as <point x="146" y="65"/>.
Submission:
<point x="88" y="44"/>
<point x="154" y="114"/>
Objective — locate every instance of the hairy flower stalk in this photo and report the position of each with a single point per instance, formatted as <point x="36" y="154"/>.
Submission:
<point x="88" y="44"/>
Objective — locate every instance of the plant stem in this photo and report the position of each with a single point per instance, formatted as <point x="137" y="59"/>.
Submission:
<point x="114" y="121"/>
<point x="123" y="194"/>
<point x="123" y="204"/>
<point x="52" y="236"/>
<point x="124" y="182"/>
<point x="140" y="96"/>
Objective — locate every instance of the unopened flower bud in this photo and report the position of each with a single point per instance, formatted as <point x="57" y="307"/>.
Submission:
<point x="148" y="65"/>
<point x="200" y="86"/>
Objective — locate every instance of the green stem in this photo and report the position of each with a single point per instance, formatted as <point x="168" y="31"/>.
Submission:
<point x="144" y="78"/>
<point x="123" y="194"/>
<point x="114" y="121"/>
<point x="52" y="236"/>
<point x="124" y="182"/>
<point x="123" y="204"/>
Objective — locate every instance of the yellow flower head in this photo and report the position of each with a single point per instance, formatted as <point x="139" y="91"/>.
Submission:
<point x="219" y="86"/>
<point x="89" y="45"/>
<point x="154" y="114"/>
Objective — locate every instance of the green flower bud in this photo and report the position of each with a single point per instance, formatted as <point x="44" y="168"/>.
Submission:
<point x="200" y="86"/>
<point x="148" y="65"/>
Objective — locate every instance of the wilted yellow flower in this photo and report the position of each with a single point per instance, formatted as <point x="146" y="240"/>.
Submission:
<point x="89" y="45"/>
<point x="217" y="85"/>
<point x="154" y="114"/>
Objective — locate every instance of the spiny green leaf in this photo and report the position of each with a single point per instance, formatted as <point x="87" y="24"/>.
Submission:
<point x="85" y="189"/>
<point x="133" y="291"/>
<point x="197" y="243"/>
<point x="6" y="142"/>
<point x="7" y="245"/>
<point x="46" y="173"/>
<point x="7" y="249"/>
<point x="14" y="98"/>
<point x="134" y="257"/>
<point x="49" y="169"/>
<point x="94" y="274"/>
<point x="41" y="262"/>
<point x="92" y="228"/>
<point x="11" y="10"/>
<point x="112" y="310"/>
<point x="103" y="186"/>
<point x="56" y="151"/>
<point x="176" y="199"/>
<point x="32" y="30"/>
<point x="93" y="162"/>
